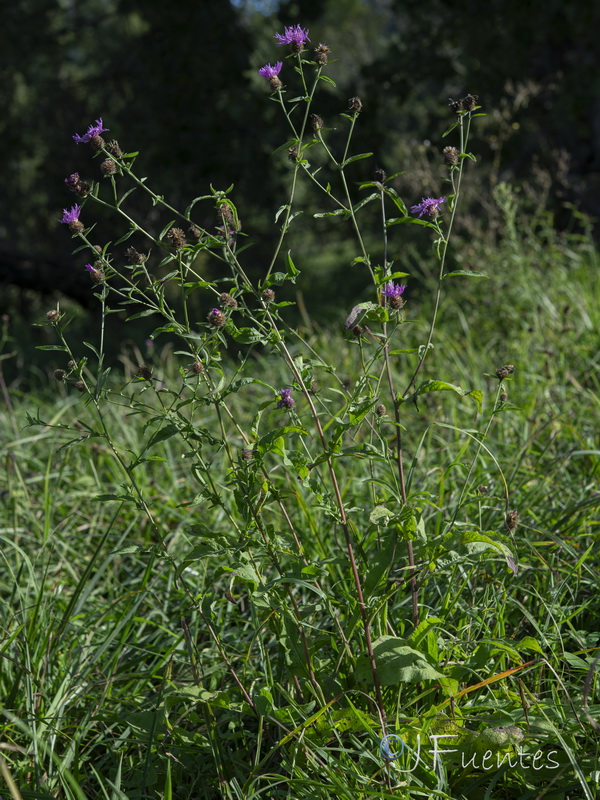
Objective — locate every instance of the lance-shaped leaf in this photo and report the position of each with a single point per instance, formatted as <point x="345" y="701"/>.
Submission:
<point x="442" y="386"/>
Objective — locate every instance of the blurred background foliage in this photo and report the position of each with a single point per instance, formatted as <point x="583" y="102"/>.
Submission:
<point x="179" y="83"/>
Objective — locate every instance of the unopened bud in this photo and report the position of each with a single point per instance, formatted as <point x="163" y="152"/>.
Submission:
<point x="59" y="374"/>
<point x="505" y="371"/>
<point x="268" y="295"/>
<point x="53" y="316"/>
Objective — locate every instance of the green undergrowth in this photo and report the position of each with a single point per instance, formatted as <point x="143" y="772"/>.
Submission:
<point x="112" y="683"/>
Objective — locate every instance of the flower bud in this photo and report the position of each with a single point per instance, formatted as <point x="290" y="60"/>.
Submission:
<point x="53" y="316"/>
<point x="59" y="374"/>
<point x="317" y="122"/>
<point x="505" y="371"/>
<point x="80" y="386"/>
<point x="512" y="520"/>
<point x="355" y="105"/>
<point x="108" y="167"/>
<point x="217" y="318"/>
<point x="227" y="300"/>
<point x="177" y="237"/>
<point x="268" y="295"/>
<point x="197" y="367"/>
<point x="451" y="156"/>
<point x="144" y="372"/>
<point x="322" y="54"/>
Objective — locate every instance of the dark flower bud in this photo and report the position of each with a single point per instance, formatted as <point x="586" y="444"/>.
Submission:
<point x="293" y="153"/>
<point x="456" y="106"/>
<point x="97" y="142"/>
<point x="80" y="386"/>
<point x="503" y="397"/>
<point x="355" y="105"/>
<point x="108" y="167"/>
<point x="380" y="175"/>
<point x="134" y="257"/>
<point x="322" y="54"/>
<point x="512" y="520"/>
<point x="98" y="248"/>
<point x="247" y="453"/>
<point x="217" y="318"/>
<point x="75" y="184"/>
<point x="59" y="374"/>
<point x="469" y="102"/>
<point x="505" y="371"/>
<point x="380" y="410"/>
<point x="53" y="316"/>
<point x="226" y="213"/>
<point x="268" y="295"/>
<point x="317" y="122"/>
<point x="114" y="149"/>
<point x="195" y="232"/>
<point x="197" y="367"/>
<point x="144" y="372"/>
<point x="357" y="331"/>
<point x="177" y="237"/>
<point x="482" y="488"/>
<point x="451" y="155"/>
<point x="313" y="387"/>
<point x="227" y="300"/>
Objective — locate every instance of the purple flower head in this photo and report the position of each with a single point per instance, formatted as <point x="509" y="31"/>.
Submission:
<point x="269" y="71"/>
<point x="73" y="181"/>
<point x="70" y="215"/>
<point x="287" y="401"/>
<point x="92" y="131"/>
<point x="393" y="290"/>
<point x="90" y="269"/>
<point x="429" y="206"/>
<point x="293" y="35"/>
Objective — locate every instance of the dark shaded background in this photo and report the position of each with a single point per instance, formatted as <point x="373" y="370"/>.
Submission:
<point x="178" y="82"/>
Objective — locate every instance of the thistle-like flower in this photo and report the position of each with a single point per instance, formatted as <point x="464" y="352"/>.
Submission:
<point x="393" y="292"/>
<point x="270" y="73"/>
<point x="217" y="318"/>
<point x="287" y="401"/>
<point x="429" y="206"/>
<point x="93" y="132"/>
<point x="70" y="217"/>
<point x="293" y="35"/>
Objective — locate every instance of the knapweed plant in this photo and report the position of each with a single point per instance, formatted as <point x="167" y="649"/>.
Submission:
<point x="312" y="621"/>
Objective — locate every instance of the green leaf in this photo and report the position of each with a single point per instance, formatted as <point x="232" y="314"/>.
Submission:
<point x="442" y="386"/>
<point x="356" y="158"/>
<point x="52" y="347"/>
<point x="291" y="268"/>
<point x="269" y="440"/>
<point x="162" y="435"/>
<point x="397" y="662"/>
<point x="466" y="272"/>
<point x="246" y="335"/>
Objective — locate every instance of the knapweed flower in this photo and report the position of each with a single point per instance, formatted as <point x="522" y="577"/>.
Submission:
<point x="95" y="272"/>
<point x="70" y="217"/>
<point x="75" y="184"/>
<point x="217" y="318"/>
<point x="393" y="292"/>
<point x="270" y="73"/>
<point x="429" y="206"/>
<point x="92" y="132"/>
<point x="293" y="35"/>
<point x="287" y="401"/>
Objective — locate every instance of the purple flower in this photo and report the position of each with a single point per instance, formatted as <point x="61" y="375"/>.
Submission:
<point x="71" y="215"/>
<point x="269" y="71"/>
<point x="429" y="206"/>
<point x="90" y="269"/>
<point x="92" y="131"/>
<point x="392" y="290"/>
<point x="287" y="401"/>
<point x="293" y="35"/>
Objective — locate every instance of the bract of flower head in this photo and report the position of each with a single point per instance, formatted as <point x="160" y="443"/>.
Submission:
<point x="429" y="206"/>
<point x="293" y="35"/>
<point x="94" y="130"/>
<point x="393" y="290"/>
<point x="287" y="401"/>
<point x="269" y="71"/>
<point x="70" y="215"/>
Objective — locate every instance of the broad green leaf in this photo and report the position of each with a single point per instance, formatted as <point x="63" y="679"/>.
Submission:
<point x="397" y="662"/>
<point x="442" y="386"/>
